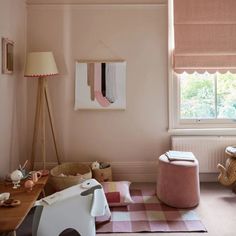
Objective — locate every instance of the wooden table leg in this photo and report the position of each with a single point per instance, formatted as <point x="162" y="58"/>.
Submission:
<point x="43" y="193"/>
<point x="12" y="233"/>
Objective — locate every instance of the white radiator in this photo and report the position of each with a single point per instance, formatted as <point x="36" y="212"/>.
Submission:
<point x="209" y="150"/>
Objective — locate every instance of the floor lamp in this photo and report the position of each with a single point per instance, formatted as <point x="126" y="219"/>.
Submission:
<point x="41" y="65"/>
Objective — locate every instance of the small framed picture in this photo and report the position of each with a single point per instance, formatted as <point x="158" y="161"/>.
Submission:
<point x="7" y="56"/>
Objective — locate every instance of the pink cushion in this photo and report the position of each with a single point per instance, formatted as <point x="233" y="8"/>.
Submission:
<point x="178" y="183"/>
<point x="117" y="193"/>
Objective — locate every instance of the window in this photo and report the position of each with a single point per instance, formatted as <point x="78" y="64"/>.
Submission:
<point x="202" y="102"/>
<point x="202" y="96"/>
<point x="207" y="97"/>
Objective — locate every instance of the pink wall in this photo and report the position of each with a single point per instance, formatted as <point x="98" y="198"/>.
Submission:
<point x="95" y="1"/>
<point x="13" y="88"/>
<point x="135" y="33"/>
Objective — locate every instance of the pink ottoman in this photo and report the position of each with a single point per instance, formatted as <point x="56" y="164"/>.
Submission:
<point x="178" y="183"/>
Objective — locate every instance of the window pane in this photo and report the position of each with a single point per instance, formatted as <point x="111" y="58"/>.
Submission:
<point x="226" y="96"/>
<point x="197" y="96"/>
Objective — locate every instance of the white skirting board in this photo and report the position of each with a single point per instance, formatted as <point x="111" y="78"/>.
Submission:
<point x="136" y="171"/>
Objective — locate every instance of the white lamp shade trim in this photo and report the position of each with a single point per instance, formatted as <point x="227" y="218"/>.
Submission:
<point x="39" y="64"/>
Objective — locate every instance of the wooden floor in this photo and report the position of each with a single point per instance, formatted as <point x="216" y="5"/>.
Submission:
<point x="217" y="211"/>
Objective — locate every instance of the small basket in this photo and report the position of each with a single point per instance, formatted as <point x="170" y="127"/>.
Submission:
<point x="103" y="175"/>
<point x="70" y="170"/>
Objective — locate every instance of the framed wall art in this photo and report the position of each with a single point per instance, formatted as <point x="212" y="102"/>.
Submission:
<point x="100" y="85"/>
<point x="7" y="56"/>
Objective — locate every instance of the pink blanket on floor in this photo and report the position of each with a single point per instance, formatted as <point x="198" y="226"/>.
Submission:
<point x="148" y="214"/>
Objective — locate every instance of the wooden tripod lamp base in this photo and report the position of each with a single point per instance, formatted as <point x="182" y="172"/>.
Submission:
<point x="41" y="65"/>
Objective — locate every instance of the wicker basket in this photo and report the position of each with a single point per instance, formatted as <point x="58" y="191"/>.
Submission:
<point x="102" y="175"/>
<point x="70" y="170"/>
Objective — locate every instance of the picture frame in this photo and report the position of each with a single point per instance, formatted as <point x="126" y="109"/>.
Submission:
<point x="100" y="85"/>
<point x="7" y="56"/>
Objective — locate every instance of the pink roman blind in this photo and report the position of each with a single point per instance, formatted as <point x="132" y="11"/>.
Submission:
<point x="205" y="35"/>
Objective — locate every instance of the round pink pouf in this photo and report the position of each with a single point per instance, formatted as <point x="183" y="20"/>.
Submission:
<point x="178" y="182"/>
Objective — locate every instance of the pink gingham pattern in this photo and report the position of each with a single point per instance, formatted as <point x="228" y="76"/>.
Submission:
<point x="148" y="214"/>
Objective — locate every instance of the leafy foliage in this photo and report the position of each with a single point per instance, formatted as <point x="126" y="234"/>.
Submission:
<point x="208" y="96"/>
<point x="226" y="96"/>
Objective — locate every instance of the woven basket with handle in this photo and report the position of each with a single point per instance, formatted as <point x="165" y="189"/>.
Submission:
<point x="65" y="175"/>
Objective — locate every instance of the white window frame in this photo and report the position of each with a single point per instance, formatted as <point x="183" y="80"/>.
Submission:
<point x="214" y="122"/>
<point x="188" y="126"/>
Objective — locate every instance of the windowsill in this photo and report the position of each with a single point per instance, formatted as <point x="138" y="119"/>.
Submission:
<point x="205" y="131"/>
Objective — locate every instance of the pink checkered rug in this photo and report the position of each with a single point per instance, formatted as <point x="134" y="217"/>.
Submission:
<point x="148" y="214"/>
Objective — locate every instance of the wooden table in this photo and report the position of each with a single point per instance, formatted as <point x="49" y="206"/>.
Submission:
<point x="12" y="217"/>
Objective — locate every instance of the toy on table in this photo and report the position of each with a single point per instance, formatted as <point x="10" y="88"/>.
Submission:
<point x="29" y="184"/>
<point x="4" y="197"/>
<point x="16" y="177"/>
<point x="35" y="175"/>
<point x="23" y="169"/>
<point x="11" y="202"/>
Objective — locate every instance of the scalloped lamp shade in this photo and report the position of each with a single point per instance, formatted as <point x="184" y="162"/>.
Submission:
<point x="40" y="64"/>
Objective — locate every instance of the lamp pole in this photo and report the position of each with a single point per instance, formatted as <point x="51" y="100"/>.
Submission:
<point x="41" y="65"/>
